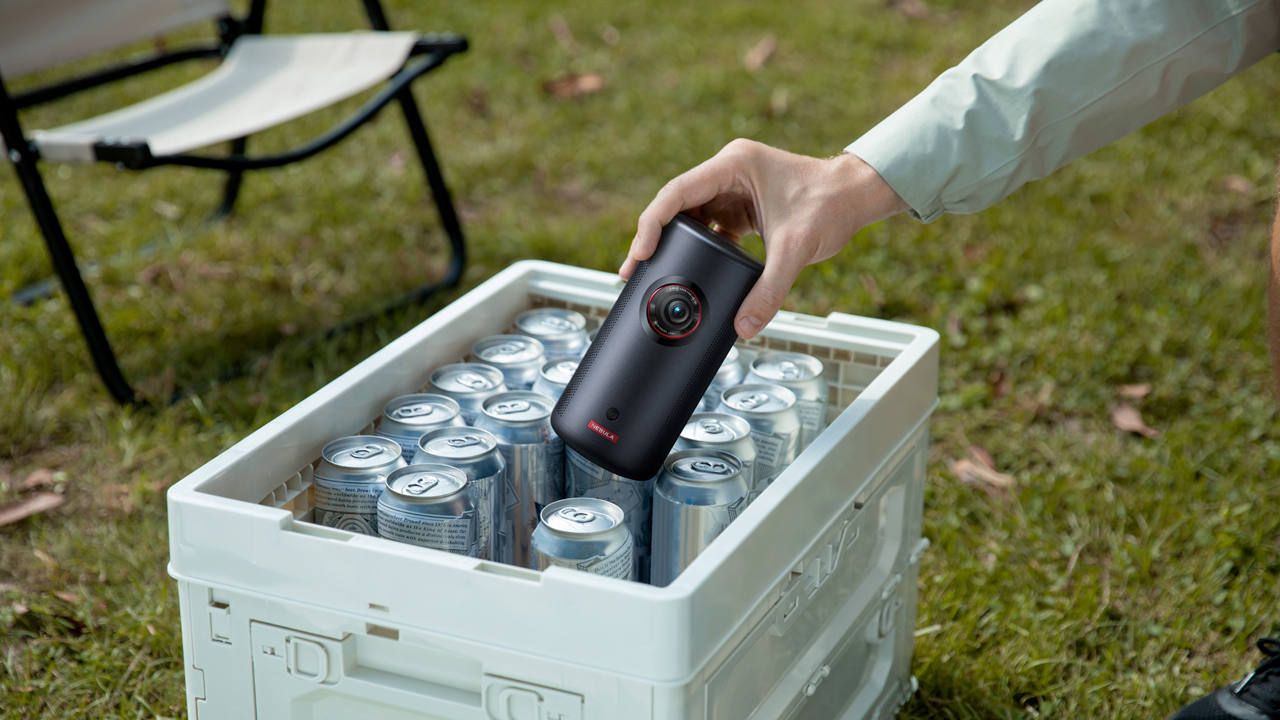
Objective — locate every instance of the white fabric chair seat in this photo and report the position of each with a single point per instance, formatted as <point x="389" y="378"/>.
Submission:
<point x="264" y="81"/>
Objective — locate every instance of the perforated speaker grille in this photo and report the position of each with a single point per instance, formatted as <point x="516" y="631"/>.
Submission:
<point x="628" y="290"/>
<point x="697" y="385"/>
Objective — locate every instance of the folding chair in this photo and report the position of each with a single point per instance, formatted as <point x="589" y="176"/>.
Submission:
<point x="263" y="81"/>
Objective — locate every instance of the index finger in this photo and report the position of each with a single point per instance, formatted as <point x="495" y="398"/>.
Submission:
<point x="693" y="188"/>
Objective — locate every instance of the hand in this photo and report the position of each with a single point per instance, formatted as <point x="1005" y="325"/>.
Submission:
<point x="806" y="209"/>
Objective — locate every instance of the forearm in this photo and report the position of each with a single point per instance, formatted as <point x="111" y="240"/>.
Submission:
<point x="1065" y="79"/>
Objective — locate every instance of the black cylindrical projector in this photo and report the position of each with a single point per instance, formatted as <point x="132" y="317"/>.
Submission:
<point x="657" y="352"/>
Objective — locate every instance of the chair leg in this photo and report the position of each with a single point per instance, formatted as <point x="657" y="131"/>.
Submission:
<point x="231" y="190"/>
<point x="64" y="262"/>
<point x="440" y="191"/>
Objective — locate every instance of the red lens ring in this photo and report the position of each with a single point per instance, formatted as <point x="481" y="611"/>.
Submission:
<point x="692" y="295"/>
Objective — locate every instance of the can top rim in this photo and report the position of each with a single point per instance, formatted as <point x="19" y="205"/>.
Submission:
<point x="419" y="409"/>
<point x="478" y="442"/>
<point x="523" y="406"/>
<point x="716" y="465"/>
<point x="579" y="517"/>
<point x="550" y="323"/>
<point x="506" y="350"/>
<point x="497" y="381"/>
<point x="778" y="366"/>
<point x="358" y="455"/>
<point x="558" y="370"/>
<point x="776" y="398"/>
<point x="732" y="428"/>
<point x="426" y="482"/>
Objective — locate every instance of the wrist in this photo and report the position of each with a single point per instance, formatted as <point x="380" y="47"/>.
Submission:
<point x="870" y="197"/>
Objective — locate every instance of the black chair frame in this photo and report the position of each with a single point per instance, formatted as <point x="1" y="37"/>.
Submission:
<point x="428" y="53"/>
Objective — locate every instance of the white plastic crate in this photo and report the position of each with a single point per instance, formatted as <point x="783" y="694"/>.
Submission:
<point x="803" y="608"/>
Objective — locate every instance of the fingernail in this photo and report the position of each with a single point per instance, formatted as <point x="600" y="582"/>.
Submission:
<point x="749" y="324"/>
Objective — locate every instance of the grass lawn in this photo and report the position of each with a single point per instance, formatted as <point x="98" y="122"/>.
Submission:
<point x="1121" y="576"/>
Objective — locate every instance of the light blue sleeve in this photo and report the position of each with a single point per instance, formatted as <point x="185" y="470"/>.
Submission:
<point x="1063" y="80"/>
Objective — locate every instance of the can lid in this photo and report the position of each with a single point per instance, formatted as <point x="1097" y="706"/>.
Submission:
<point x="560" y="371"/>
<point x="467" y="378"/>
<point x="361" y="452"/>
<point x="507" y="349"/>
<point x="518" y="406"/>
<point x="458" y="443"/>
<point x="420" y="409"/>
<point x="715" y="428"/>
<point x="550" y="322"/>
<point x="426" y="482"/>
<point x="703" y="465"/>
<point x="582" y="516"/>
<point x="786" y="367"/>
<point x="761" y="398"/>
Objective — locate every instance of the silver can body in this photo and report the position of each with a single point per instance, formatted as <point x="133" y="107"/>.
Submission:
<point x="563" y="333"/>
<point x="534" y="454"/>
<point x="802" y="375"/>
<point x="519" y="357"/>
<point x="585" y="479"/>
<point x="731" y="373"/>
<point x="469" y="384"/>
<point x="407" y="418"/>
<point x="429" y="505"/>
<point x="722" y="431"/>
<point x="771" y="412"/>
<point x="475" y="452"/>
<point x="351" y="477"/>
<point x="698" y="494"/>
<point x="554" y="376"/>
<point x="584" y="534"/>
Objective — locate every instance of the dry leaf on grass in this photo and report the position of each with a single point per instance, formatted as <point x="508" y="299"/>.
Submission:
<point x="1238" y="184"/>
<point x="914" y="9"/>
<point x="757" y="56"/>
<point x="67" y="597"/>
<point x="975" y="473"/>
<point x="563" y="34"/>
<point x="38" y="479"/>
<point x="28" y="506"/>
<point x="166" y="210"/>
<point x="572" y="85"/>
<point x="982" y="456"/>
<point x="1133" y="392"/>
<point x="778" y="101"/>
<point x="1125" y="417"/>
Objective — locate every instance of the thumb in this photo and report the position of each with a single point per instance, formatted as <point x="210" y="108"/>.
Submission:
<point x="781" y="268"/>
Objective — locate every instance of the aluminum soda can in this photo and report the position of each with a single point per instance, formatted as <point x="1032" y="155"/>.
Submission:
<point x="802" y="375"/>
<point x="521" y="422"/>
<point x="730" y="373"/>
<point x="722" y="431"/>
<point x="698" y="494"/>
<point x="555" y="374"/>
<point x="351" y="477"/>
<point x="585" y="479"/>
<point x="771" y="412"/>
<point x="519" y="357"/>
<point x="586" y="534"/>
<point x="407" y="418"/>
<point x="429" y="505"/>
<point x="469" y="384"/>
<point x="475" y="453"/>
<point x="563" y="333"/>
<point x="591" y="337"/>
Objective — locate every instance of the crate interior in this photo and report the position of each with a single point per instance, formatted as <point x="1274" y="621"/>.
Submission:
<point x="847" y="371"/>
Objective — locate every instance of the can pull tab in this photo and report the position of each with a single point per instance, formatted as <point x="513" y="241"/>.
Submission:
<point x="788" y="369"/>
<point x="712" y="427"/>
<point x="421" y="486"/>
<point x="507" y="348"/>
<point x="413" y="411"/>
<point x="368" y="451"/>
<point x="568" y="367"/>
<point x="577" y="515"/>
<point x="710" y="466"/>
<point x="552" y="322"/>
<point x="752" y="401"/>
<point x="472" y="381"/>
<point x="462" y="441"/>
<point x="511" y="406"/>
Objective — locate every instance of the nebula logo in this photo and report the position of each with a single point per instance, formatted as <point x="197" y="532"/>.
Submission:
<point x="595" y="427"/>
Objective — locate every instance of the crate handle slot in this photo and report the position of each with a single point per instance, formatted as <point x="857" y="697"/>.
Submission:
<point x="291" y="646"/>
